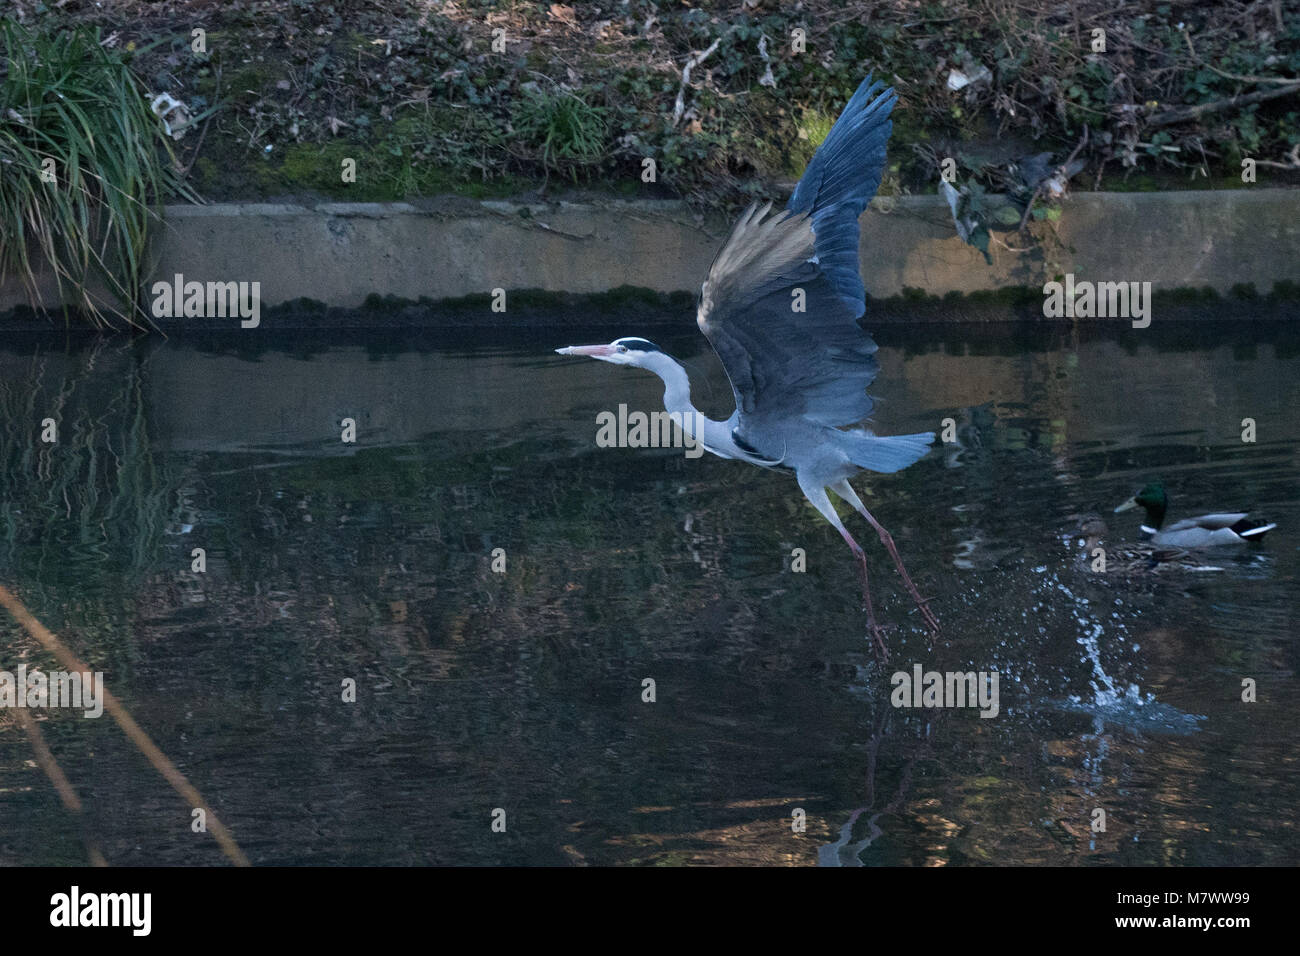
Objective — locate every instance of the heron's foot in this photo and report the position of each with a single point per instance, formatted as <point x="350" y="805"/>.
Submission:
<point x="878" y="633"/>
<point x="923" y="605"/>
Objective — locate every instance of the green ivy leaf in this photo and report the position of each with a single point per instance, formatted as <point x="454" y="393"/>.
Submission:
<point x="1007" y="215"/>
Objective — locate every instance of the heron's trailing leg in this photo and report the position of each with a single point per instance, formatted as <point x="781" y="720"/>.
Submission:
<point x="822" y="503"/>
<point x="845" y="491"/>
<point x="876" y="630"/>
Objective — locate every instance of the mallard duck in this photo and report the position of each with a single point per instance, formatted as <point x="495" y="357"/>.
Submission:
<point x="1204" y="531"/>
<point x="1142" y="557"/>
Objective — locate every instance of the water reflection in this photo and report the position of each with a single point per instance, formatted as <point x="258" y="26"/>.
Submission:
<point x="523" y="690"/>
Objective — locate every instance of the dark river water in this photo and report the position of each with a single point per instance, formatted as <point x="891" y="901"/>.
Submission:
<point x="519" y="696"/>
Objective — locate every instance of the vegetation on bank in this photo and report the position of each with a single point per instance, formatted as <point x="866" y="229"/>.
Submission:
<point x="584" y="92"/>
<point x="398" y="99"/>
<point x="82" y="163"/>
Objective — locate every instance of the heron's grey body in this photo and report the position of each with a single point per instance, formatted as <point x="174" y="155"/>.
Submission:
<point x="780" y="307"/>
<point x="794" y="443"/>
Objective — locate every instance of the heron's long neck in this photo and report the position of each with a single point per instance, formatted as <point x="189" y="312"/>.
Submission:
<point x="677" y="389"/>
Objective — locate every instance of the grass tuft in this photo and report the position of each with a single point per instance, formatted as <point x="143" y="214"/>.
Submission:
<point x="83" y="163"/>
<point x="561" y="131"/>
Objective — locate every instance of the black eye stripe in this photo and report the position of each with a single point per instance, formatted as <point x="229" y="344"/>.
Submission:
<point x="641" y="345"/>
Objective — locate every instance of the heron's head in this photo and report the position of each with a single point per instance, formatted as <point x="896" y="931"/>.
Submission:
<point x="625" y="351"/>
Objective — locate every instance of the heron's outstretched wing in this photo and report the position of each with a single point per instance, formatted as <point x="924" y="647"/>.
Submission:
<point x="788" y="340"/>
<point x="782" y="299"/>
<point x="839" y="182"/>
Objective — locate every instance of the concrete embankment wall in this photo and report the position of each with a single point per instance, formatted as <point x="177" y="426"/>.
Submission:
<point x="340" y="253"/>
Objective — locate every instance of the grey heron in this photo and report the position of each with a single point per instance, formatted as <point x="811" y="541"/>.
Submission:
<point x="780" y="307"/>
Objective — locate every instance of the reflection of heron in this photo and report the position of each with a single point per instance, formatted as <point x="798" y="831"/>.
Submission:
<point x="781" y="307"/>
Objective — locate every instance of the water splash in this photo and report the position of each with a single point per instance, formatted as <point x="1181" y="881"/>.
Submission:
<point x="1123" y="706"/>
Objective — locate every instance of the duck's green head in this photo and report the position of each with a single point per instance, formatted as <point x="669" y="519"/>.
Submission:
<point x="1153" y="499"/>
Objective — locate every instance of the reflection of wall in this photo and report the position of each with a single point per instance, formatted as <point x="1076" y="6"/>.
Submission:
<point x="1203" y="394"/>
<point x="207" y="401"/>
<point x="202" y="400"/>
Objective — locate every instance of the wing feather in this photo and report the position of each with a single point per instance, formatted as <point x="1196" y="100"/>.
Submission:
<point x="782" y="299"/>
<point x="840" y="180"/>
<point x="790" y="345"/>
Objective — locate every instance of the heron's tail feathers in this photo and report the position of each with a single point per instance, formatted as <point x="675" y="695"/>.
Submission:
<point x="887" y="454"/>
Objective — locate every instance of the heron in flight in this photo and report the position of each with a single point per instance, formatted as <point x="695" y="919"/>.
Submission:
<point x="780" y="307"/>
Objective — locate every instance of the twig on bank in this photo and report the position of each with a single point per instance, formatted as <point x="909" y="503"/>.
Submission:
<point x="1293" y="157"/>
<point x="680" y="106"/>
<point x="1185" y="113"/>
<point x="1281" y="80"/>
